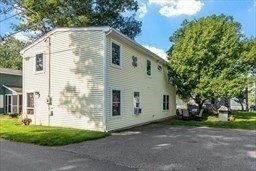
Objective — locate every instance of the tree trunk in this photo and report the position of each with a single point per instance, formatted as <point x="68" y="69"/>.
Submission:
<point x="242" y="107"/>
<point x="199" y="102"/>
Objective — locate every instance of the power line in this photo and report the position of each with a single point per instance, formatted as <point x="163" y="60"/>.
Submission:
<point x="28" y="9"/>
<point x="9" y="35"/>
<point x="10" y="16"/>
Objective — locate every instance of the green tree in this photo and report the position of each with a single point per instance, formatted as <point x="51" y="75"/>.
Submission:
<point x="10" y="53"/>
<point x="248" y="54"/>
<point x="43" y="16"/>
<point x="205" y="59"/>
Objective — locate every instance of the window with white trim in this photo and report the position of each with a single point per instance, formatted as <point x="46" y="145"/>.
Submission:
<point x="165" y="102"/>
<point x="136" y="99"/>
<point x="136" y="102"/>
<point x="116" y="54"/>
<point x="39" y="62"/>
<point x="30" y="103"/>
<point x="116" y="102"/>
<point x="148" y="67"/>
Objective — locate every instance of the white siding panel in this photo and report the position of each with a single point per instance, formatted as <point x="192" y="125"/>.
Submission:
<point x="33" y="81"/>
<point x="131" y="78"/>
<point x="76" y="80"/>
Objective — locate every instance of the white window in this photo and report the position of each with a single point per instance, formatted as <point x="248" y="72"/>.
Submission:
<point x="136" y="102"/>
<point x="30" y="103"/>
<point x="136" y="99"/>
<point x="165" y="102"/>
<point x="39" y="62"/>
<point x="116" y="54"/>
<point x="116" y="102"/>
<point x="148" y="67"/>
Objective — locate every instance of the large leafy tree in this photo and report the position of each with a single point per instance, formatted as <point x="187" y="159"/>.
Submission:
<point x="9" y="53"/>
<point x="43" y="16"/>
<point x="205" y="59"/>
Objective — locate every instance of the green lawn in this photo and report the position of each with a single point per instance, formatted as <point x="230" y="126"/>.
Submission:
<point x="243" y="120"/>
<point x="11" y="129"/>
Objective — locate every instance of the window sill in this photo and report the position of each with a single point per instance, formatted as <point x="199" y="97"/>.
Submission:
<point x="149" y="76"/>
<point x="39" y="72"/>
<point x="116" y="66"/>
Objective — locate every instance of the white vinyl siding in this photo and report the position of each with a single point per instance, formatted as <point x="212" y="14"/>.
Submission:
<point x="76" y="80"/>
<point x="131" y="78"/>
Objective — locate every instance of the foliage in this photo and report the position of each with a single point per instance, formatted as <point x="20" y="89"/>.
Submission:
<point x="205" y="58"/>
<point x="10" y="53"/>
<point x="249" y="54"/>
<point x="43" y="16"/>
<point x="243" y="120"/>
<point x="26" y="121"/>
<point x="11" y="129"/>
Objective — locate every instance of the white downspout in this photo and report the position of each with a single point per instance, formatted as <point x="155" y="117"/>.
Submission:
<point x="105" y="33"/>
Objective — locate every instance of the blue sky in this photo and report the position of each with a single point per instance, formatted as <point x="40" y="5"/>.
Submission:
<point x="160" y="18"/>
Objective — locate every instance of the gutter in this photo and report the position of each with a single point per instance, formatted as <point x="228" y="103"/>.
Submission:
<point x="105" y="33"/>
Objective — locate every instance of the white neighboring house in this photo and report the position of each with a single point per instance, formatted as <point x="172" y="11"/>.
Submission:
<point x="94" y="78"/>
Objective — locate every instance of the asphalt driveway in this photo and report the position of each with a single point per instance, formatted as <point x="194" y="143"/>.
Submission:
<point x="153" y="147"/>
<point x="164" y="147"/>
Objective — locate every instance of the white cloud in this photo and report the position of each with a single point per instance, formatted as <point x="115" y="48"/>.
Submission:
<point x="142" y="9"/>
<point x="157" y="51"/>
<point x="171" y="8"/>
<point x="21" y="36"/>
<point x="253" y="8"/>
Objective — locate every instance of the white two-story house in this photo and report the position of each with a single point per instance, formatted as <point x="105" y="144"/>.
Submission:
<point x="94" y="78"/>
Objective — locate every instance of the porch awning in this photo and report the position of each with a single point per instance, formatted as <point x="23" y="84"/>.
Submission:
<point x="13" y="89"/>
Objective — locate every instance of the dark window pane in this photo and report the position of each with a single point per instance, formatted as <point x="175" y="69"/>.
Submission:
<point x="116" y="102"/>
<point x="116" y="110"/>
<point x="115" y="54"/>
<point x="30" y="111"/>
<point x="116" y="96"/>
<point x="39" y="62"/>
<point x="20" y="99"/>
<point x="149" y="67"/>
<point x="14" y="100"/>
<point x="30" y="100"/>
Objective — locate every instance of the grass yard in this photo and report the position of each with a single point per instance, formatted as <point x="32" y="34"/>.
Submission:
<point x="11" y="129"/>
<point x="243" y="120"/>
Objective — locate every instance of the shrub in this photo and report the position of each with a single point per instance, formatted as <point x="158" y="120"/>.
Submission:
<point x="26" y="121"/>
<point x="13" y="115"/>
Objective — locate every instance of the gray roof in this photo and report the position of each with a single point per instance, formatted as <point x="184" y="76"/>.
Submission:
<point x="10" y="71"/>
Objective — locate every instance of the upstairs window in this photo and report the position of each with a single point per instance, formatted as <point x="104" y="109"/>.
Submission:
<point x="148" y="67"/>
<point x="39" y="62"/>
<point x="165" y="102"/>
<point x="116" y="54"/>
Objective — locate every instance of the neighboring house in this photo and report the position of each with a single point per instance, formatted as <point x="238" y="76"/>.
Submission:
<point x="10" y="91"/>
<point x="94" y="78"/>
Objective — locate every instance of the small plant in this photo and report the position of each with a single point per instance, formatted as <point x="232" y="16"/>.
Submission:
<point x="26" y="121"/>
<point x="13" y="115"/>
<point x="231" y="118"/>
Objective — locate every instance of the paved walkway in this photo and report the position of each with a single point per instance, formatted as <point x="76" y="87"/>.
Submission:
<point x="154" y="147"/>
